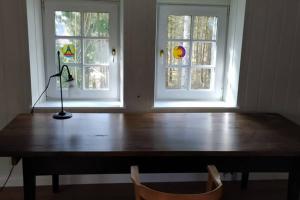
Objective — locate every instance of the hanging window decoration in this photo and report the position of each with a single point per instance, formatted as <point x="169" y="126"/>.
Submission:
<point x="68" y="50"/>
<point x="179" y="52"/>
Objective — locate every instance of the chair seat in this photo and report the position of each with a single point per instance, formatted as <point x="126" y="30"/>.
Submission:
<point x="214" y="188"/>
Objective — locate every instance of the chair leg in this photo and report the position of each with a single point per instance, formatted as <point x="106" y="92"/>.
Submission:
<point x="244" y="181"/>
<point x="55" y="183"/>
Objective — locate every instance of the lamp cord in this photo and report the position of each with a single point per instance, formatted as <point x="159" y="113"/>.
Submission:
<point x="47" y="86"/>
<point x="9" y="175"/>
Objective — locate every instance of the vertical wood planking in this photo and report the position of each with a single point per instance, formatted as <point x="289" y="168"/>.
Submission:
<point x="254" y="52"/>
<point x="244" y="58"/>
<point x="24" y="63"/>
<point x="269" y="77"/>
<point x="10" y="63"/>
<point x="297" y="65"/>
<point x="293" y="90"/>
<point x="284" y="56"/>
<point x="270" y="53"/>
<point x="15" y="76"/>
<point x="2" y="85"/>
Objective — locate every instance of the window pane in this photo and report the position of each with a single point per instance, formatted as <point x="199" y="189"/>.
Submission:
<point x="70" y="50"/>
<point x="76" y="72"/>
<point x="96" y="78"/>
<point x="67" y="23"/>
<point x="203" y="53"/>
<point x="179" y="27"/>
<point x="96" y="24"/>
<point x="173" y="58"/>
<point x="200" y="78"/>
<point x="96" y="51"/>
<point x="176" y="78"/>
<point x="205" y="28"/>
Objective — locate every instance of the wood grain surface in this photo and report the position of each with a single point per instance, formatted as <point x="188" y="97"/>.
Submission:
<point x="153" y="134"/>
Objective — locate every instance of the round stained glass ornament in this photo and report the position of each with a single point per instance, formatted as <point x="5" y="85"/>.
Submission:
<point x="179" y="52"/>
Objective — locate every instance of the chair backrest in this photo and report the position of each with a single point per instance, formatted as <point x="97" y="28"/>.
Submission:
<point x="214" y="188"/>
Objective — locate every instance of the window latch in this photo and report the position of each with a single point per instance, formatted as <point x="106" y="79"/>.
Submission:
<point x="114" y="52"/>
<point x="161" y="53"/>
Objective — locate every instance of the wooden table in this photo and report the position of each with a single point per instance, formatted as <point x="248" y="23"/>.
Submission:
<point x="161" y="142"/>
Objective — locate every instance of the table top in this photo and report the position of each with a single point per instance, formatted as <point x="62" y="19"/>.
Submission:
<point x="151" y="134"/>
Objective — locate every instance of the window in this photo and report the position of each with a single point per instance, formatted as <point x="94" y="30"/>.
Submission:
<point x="191" y="52"/>
<point x="86" y="34"/>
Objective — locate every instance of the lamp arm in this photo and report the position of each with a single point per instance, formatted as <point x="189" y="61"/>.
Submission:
<point x="70" y="77"/>
<point x="62" y="69"/>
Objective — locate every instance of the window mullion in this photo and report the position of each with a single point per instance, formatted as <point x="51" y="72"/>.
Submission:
<point x="82" y="54"/>
<point x="79" y="37"/>
<point x="188" y="40"/>
<point x="189" y="70"/>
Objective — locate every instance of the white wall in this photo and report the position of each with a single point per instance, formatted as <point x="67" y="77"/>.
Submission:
<point x="35" y="44"/>
<point x="234" y="46"/>
<point x="14" y="71"/>
<point x="269" y="79"/>
<point x="269" y="71"/>
<point x="139" y="54"/>
<point x="14" y="68"/>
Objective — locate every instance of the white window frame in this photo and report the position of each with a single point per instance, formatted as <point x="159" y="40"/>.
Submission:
<point x="216" y="91"/>
<point x="111" y="94"/>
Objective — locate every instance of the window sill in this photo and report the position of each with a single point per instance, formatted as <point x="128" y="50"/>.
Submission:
<point x="194" y="104"/>
<point x="80" y="104"/>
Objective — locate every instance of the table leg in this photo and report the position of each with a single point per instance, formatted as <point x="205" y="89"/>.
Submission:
<point x="55" y="183"/>
<point x="244" y="181"/>
<point x="294" y="183"/>
<point x="28" y="180"/>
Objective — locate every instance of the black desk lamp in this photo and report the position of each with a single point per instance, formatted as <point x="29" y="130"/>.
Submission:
<point x="62" y="114"/>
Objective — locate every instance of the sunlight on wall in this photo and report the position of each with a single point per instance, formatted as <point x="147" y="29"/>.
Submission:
<point x="234" y="48"/>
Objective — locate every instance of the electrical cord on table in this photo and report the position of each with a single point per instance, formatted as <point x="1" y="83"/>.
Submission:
<point x="46" y="88"/>
<point x="9" y="175"/>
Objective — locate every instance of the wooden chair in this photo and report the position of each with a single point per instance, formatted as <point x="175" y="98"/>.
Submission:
<point x="214" y="188"/>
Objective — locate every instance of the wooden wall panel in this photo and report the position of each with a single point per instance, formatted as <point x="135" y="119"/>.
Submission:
<point x="269" y="79"/>
<point x="15" y="73"/>
<point x="291" y="104"/>
<point x="286" y="52"/>
<point x="270" y="52"/>
<point x="255" y="28"/>
<point x="2" y="85"/>
<point x="245" y="59"/>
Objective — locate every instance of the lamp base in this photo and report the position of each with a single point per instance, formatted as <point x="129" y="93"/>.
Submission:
<point x="62" y="115"/>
